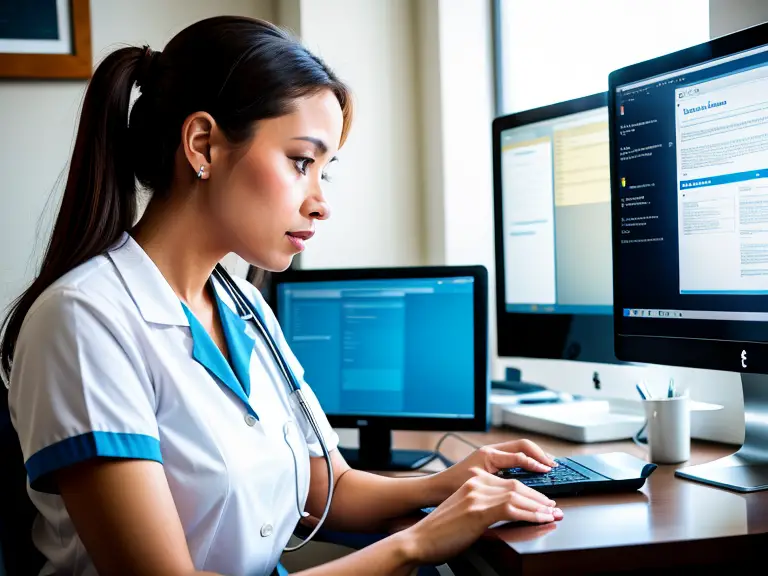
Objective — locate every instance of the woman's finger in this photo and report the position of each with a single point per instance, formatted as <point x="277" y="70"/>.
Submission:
<point x="507" y="485"/>
<point x="529" y="449"/>
<point x="525" y="503"/>
<point x="499" y="459"/>
<point x="516" y="509"/>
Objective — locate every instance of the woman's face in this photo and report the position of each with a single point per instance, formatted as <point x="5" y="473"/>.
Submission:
<point x="269" y="199"/>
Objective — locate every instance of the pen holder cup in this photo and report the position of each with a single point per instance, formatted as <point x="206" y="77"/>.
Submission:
<point x="669" y="429"/>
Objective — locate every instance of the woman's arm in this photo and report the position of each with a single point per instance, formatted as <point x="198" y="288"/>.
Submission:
<point x="364" y="501"/>
<point x="393" y="556"/>
<point x="478" y="503"/>
<point x="124" y="513"/>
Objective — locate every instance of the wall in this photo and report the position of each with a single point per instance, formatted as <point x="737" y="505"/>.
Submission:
<point x="376" y="192"/>
<point x="726" y="16"/>
<point x="39" y="124"/>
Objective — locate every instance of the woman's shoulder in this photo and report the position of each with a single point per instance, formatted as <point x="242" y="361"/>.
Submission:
<point x="93" y="283"/>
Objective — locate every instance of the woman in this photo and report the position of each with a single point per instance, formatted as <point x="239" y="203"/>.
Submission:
<point x="158" y="432"/>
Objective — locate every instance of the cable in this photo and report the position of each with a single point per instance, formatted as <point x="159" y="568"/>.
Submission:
<point x="643" y="443"/>
<point x="443" y="458"/>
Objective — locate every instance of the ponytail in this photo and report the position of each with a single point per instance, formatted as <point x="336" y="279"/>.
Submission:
<point x="99" y="202"/>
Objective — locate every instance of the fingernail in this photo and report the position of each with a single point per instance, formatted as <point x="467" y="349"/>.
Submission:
<point x="557" y="512"/>
<point x="542" y="517"/>
<point x="552" y="503"/>
<point x="546" y="510"/>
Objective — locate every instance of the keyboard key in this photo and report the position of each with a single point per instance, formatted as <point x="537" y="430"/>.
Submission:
<point x="558" y="475"/>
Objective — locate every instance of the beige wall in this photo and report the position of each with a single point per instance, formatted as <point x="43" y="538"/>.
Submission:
<point x="376" y="193"/>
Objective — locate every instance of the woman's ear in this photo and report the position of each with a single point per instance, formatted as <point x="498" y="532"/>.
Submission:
<point x="196" y="139"/>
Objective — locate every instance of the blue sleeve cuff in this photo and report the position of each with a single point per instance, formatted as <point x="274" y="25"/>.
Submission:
<point x="85" y="447"/>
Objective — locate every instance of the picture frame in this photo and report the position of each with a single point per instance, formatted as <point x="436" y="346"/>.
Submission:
<point x="45" y="39"/>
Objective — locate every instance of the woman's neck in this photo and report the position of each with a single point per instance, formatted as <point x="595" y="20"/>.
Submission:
<point x="177" y="238"/>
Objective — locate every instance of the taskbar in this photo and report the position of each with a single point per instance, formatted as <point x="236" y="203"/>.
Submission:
<point x="695" y="315"/>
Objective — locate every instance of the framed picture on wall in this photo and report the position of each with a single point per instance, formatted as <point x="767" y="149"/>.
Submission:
<point x="45" y="39"/>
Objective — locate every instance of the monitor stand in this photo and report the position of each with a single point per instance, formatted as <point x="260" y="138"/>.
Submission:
<point x="747" y="469"/>
<point x="376" y="454"/>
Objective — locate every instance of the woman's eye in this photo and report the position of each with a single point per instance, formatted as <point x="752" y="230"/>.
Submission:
<point x="302" y="164"/>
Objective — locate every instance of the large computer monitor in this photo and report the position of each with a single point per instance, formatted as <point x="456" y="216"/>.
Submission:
<point x="553" y="232"/>
<point x="390" y="348"/>
<point x="689" y="179"/>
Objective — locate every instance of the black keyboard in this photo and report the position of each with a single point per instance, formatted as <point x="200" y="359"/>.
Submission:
<point x="561" y="474"/>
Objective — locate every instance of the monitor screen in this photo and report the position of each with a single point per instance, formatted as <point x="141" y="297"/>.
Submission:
<point x="690" y="158"/>
<point x="556" y="194"/>
<point x="552" y="202"/>
<point x="385" y="347"/>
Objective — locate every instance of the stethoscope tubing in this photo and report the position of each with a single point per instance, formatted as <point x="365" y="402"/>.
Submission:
<point x="247" y="311"/>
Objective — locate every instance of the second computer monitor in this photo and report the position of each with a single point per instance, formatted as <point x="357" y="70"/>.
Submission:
<point x="390" y="348"/>
<point x="553" y="232"/>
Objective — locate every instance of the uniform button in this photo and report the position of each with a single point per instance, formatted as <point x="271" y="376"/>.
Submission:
<point x="266" y="530"/>
<point x="250" y="419"/>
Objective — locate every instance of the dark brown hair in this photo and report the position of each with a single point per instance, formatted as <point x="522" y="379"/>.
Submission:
<point x="239" y="70"/>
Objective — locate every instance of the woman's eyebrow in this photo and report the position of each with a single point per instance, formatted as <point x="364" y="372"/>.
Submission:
<point x="320" y="146"/>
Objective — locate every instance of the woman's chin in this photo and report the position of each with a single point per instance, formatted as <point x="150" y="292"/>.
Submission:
<point x="278" y="264"/>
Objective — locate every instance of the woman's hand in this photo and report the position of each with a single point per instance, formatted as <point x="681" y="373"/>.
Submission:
<point x="481" y="501"/>
<point x="491" y="459"/>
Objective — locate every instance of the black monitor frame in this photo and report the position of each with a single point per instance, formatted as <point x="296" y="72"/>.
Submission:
<point x="581" y="337"/>
<point x="375" y="431"/>
<point x="688" y="352"/>
<point x="747" y="469"/>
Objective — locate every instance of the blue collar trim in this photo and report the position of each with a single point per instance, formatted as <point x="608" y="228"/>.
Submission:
<point x="239" y="346"/>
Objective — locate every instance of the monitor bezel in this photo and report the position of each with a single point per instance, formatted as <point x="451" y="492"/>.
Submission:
<point x="481" y="419"/>
<point x="674" y="351"/>
<point x="532" y="335"/>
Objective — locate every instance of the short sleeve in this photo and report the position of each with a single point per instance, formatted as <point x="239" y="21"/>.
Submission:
<point x="329" y="434"/>
<point x="79" y="388"/>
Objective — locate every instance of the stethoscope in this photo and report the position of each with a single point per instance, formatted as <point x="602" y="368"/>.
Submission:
<point x="247" y="311"/>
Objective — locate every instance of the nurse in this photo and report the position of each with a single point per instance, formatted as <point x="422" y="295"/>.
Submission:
<point x="158" y="433"/>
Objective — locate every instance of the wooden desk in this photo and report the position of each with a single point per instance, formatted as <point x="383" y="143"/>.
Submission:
<point x="669" y="524"/>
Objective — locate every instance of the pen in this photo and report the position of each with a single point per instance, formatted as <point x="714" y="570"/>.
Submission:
<point x="538" y="401"/>
<point x="640" y="391"/>
<point x="671" y="390"/>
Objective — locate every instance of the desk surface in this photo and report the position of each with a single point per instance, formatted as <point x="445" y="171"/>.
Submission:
<point x="670" y="522"/>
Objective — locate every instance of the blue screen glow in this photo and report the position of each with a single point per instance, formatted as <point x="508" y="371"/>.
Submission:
<point x="402" y="347"/>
